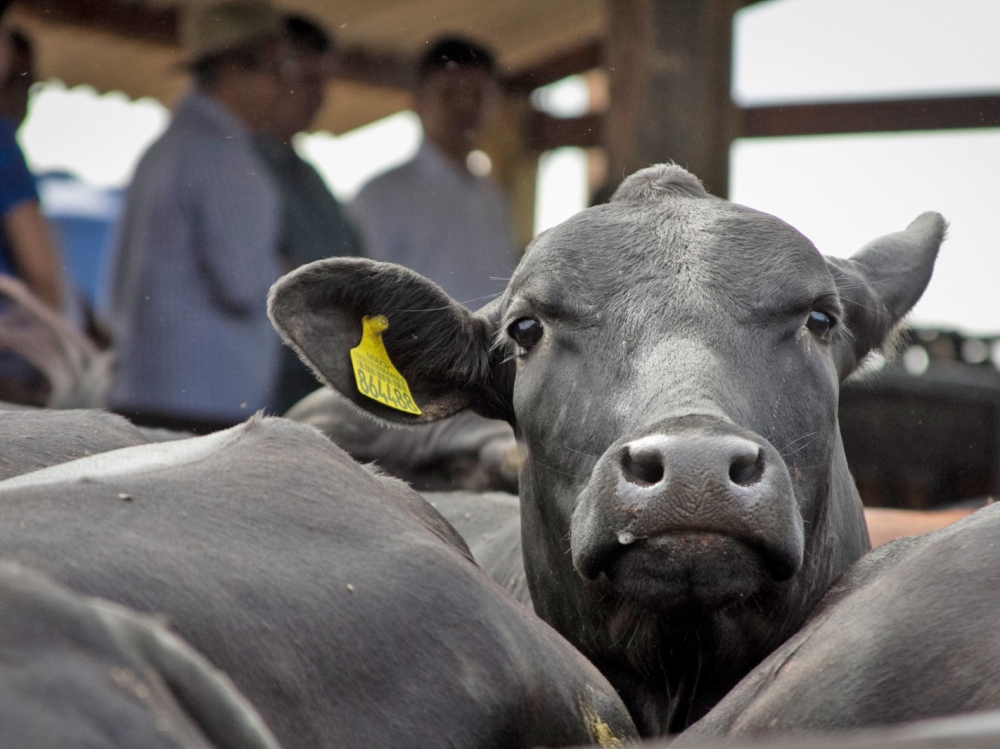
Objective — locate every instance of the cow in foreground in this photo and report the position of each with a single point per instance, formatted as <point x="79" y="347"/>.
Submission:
<point x="32" y="439"/>
<point x="907" y="633"/>
<point x="466" y="452"/>
<point x="76" y="671"/>
<point x="972" y="731"/>
<point x="671" y="362"/>
<point x="344" y="607"/>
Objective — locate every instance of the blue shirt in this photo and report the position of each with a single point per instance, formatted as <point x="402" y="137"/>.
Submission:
<point x="195" y="257"/>
<point x="16" y="186"/>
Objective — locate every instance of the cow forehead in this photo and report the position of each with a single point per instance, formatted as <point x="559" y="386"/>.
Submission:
<point x="680" y="251"/>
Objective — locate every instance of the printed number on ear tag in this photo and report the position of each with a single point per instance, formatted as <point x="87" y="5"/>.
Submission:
<point x="374" y="373"/>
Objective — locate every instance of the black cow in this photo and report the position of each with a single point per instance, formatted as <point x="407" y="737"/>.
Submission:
<point x="76" y="671"/>
<point x="466" y="452"/>
<point x="33" y="438"/>
<point x="972" y="731"/>
<point x="906" y="634"/>
<point x="490" y="523"/>
<point x="346" y="609"/>
<point x="671" y="361"/>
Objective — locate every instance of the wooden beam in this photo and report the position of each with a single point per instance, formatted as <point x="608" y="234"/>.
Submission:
<point x="942" y="113"/>
<point x="548" y="132"/>
<point x="872" y="116"/>
<point x="373" y="67"/>
<point x="515" y="163"/>
<point x="157" y="24"/>
<point x="669" y="69"/>
<point x="585" y="57"/>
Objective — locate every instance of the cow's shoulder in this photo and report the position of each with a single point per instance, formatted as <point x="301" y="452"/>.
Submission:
<point x="82" y="670"/>
<point x="314" y="581"/>
<point x="490" y="522"/>
<point x="37" y="438"/>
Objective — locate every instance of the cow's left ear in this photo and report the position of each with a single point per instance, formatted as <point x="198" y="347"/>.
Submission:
<point x="879" y="285"/>
<point x="443" y="351"/>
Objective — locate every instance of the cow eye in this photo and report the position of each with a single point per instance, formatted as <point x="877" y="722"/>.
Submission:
<point x="526" y="332"/>
<point x="819" y="323"/>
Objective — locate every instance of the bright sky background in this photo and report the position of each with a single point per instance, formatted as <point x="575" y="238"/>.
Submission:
<point x="840" y="191"/>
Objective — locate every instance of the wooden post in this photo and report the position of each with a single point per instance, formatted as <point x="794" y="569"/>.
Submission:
<point x="669" y="65"/>
<point x="506" y="141"/>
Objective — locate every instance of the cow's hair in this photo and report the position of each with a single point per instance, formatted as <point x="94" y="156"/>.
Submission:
<point x="895" y="341"/>
<point x="376" y="470"/>
<point x="887" y="352"/>
<point x="655" y="183"/>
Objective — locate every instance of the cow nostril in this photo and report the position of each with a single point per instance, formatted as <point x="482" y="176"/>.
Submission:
<point x="746" y="470"/>
<point x="642" y="469"/>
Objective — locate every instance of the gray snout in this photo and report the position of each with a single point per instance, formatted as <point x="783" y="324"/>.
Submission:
<point x="725" y="461"/>
<point x="711" y="482"/>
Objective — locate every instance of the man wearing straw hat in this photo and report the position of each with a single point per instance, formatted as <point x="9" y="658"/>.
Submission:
<point x="197" y="247"/>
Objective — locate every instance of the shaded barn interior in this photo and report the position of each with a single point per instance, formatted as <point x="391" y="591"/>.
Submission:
<point x="925" y="431"/>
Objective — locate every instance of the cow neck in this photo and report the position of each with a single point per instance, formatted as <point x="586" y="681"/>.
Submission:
<point x="668" y="681"/>
<point x="839" y="535"/>
<point x="676" y="675"/>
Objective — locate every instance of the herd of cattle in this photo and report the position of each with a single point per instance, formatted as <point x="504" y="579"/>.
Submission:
<point x="689" y="554"/>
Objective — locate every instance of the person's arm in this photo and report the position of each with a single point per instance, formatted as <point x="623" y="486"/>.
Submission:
<point x="34" y="252"/>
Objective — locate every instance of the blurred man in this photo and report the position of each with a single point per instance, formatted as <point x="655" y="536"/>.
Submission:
<point x="27" y="249"/>
<point x="197" y="247"/>
<point x="432" y="214"/>
<point x="313" y="225"/>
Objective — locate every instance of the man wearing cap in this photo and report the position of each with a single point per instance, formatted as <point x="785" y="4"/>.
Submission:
<point x="433" y="214"/>
<point x="197" y="246"/>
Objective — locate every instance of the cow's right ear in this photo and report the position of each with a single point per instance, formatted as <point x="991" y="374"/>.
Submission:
<point x="443" y="351"/>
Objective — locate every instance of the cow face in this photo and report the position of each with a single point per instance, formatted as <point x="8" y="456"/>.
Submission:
<point x="671" y="362"/>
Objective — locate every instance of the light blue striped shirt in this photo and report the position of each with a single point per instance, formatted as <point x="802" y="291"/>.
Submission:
<point x="195" y="257"/>
<point x="437" y="218"/>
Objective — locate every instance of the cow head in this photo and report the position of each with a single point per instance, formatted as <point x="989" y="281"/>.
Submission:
<point x="671" y="362"/>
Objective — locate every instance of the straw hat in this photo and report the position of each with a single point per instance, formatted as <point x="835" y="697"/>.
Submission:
<point x="209" y="30"/>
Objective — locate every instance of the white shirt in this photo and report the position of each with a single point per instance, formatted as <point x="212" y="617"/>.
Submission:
<point x="443" y="222"/>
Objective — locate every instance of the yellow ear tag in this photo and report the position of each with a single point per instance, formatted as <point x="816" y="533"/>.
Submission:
<point x="374" y="373"/>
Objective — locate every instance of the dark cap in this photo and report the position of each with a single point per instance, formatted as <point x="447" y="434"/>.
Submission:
<point x="306" y="35"/>
<point x="454" y="51"/>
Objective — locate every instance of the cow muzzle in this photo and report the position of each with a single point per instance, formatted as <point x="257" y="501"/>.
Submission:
<point x="696" y="507"/>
